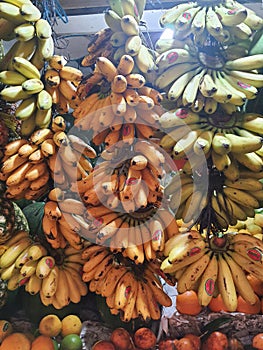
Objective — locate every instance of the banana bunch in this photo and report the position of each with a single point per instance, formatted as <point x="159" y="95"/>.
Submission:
<point x="200" y="264"/>
<point x="59" y="225"/>
<point x="28" y="165"/>
<point x="139" y="235"/>
<point x="131" y="184"/>
<point x="61" y="82"/>
<point x="130" y="291"/>
<point x="128" y="110"/>
<point x="233" y="144"/>
<point x="224" y="22"/>
<point x="24" y="167"/>
<point x="26" y="262"/>
<point x="24" y="84"/>
<point x="22" y="20"/>
<point x="203" y="79"/>
<point x="99" y="46"/>
<point x="126" y="38"/>
<point x="252" y="226"/>
<point x="63" y="283"/>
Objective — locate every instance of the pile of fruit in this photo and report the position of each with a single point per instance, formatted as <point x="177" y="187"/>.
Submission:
<point x="139" y="174"/>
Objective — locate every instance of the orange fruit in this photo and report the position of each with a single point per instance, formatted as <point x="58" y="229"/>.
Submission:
<point x="243" y="306"/>
<point x="187" y="303"/>
<point x="16" y="341"/>
<point x="216" y="304"/>
<point x="185" y="344"/>
<point x="257" y="341"/>
<point x="256" y="284"/>
<point x="194" y="339"/>
<point x="50" y="325"/>
<point x="71" y="324"/>
<point x="42" y="342"/>
<point x="216" y="341"/>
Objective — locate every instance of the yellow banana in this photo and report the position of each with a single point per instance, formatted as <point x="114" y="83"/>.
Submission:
<point x="206" y="287"/>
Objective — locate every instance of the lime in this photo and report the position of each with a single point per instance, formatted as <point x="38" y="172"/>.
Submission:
<point x="71" y="342"/>
<point x="55" y="343"/>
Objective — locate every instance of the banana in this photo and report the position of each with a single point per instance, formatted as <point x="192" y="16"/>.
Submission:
<point x="16" y="281"/>
<point x="183" y="255"/>
<point x="170" y="16"/>
<point x="202" y="144"/>
<point x="142" y="303"/>
<point x="192" y="273"/>
<point x="14" y="93"/>
<point x="189" y="94"/>
<point x="208" y="280"/>
<point x="40" y="135"/>
<point x="29" y="268"/>
<point x="160" y="296"/>
<point x="193" y="210"/>
<point x="25" y="31"/>
<point x="250" y="160"/>
<point x="125" y="65"/>
<point x="241" y="197"/>
<point x="112" y="279"/>
<point x="133" y="44"/>
<point x="106" y="68"/>
<point x="26" y="108"/>
<point x="247" y="184"/>
<point x="247" y="63"/>
<point x="26" y="68"/>
<point x="220" y="144"/>
<point x="207" y="85"/>
<point x="145" y="60"/>
<point x="241" y="31"/>
<point x="43" y="29"/>
<point x="32" y="86"/>
<point x="30" y="12"/>
<point x="253" y="79"/>
<point x="171" y="74"/>
<point x="130" y="307"/>
<point x="220" y="161"/>
<point x="12" y="253"/>
<point x="242" y="144"/>
<point x="74" y="293"/>
<point x="44" y="100"/>
<point x="11" y="78"/>
<point x="11" y="13"/>
<point x="36" y="251"/>
<point x="226" y="284"/>
<point x="50" y="283"/>
<point x="13" y="146"/>
<point x="247" y="265"/>
<point x="62" y="291"/>
<point x="251" y="122"/>
<point x="7" y="272"/>
<point x="232" y="208"/>
<point x="249" y="90"/>
<point x="17" y="237"/>
<point x="213" y="23"/>
<point x="185" y="144"/>
<point x="70" y="73"/>
<point x="230" y="17"/>
<point x="44" y="266"/>
<point x="129" y="25"/>
<point x="210" y="105"/>
<point x="17" y="176"/>
<point x="185" y="19"/>
<point x="249" y="251"/>
<point x="113" y="20"/>
<point x="124" y="287"/>
<point x="22" y="258"/>
<point x="34" y="285"/>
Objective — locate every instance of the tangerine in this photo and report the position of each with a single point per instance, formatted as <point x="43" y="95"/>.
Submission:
<point x="16" y="341"/>
<point x="245" y="307"/>
<point x="194" y="339"/>
<point x="216" y="304"/>
<point x="256" y="284"/>
<point x="187" y="303"/>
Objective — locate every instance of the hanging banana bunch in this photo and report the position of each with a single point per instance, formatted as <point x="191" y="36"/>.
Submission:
<point x="123" y="36"/>
<point x="130" y="290"/>
<point x="27" y="263"/>
<point x="202" y="264"/>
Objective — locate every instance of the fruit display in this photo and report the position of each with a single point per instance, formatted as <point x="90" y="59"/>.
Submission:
<point x="140" y="183"/>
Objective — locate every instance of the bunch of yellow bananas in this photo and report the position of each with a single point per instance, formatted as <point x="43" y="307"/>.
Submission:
<point x="129" y="291"/>
<point x="129" y="109"/>
<point x="26" y="262"/>
<point x="200" y="264"/>
<point x="61" y="82"/>
<point x="227" y="22"/>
